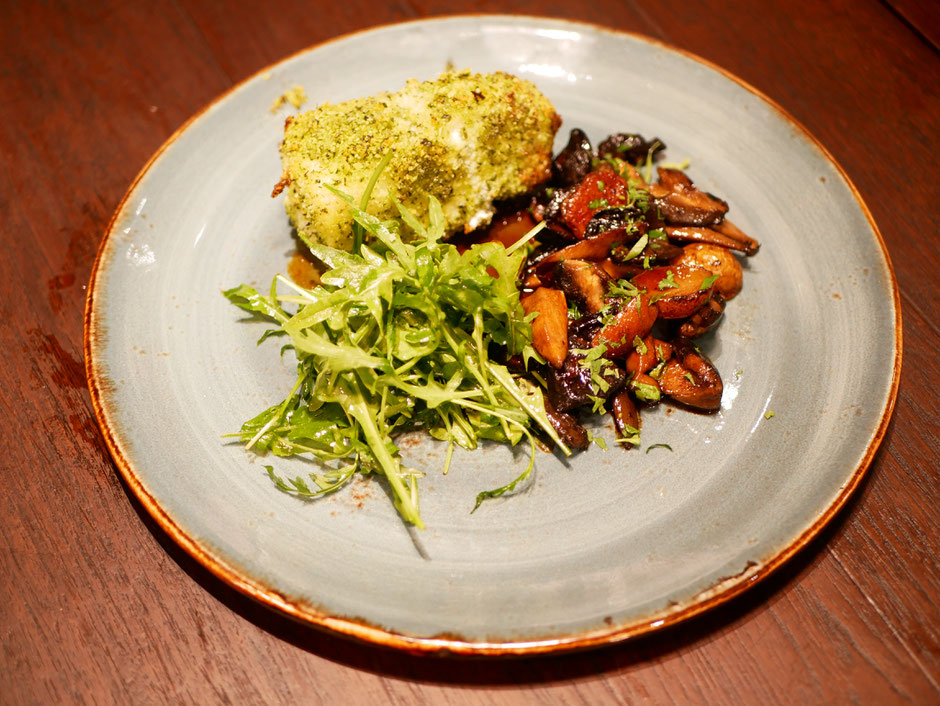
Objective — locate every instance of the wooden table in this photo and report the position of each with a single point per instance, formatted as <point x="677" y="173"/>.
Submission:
<point x="98" y="605"/>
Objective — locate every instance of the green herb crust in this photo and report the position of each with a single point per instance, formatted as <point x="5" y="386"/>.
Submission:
<point x="465" y="139"/>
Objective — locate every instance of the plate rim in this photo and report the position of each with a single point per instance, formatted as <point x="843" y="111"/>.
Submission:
<point x="722" y="591"/>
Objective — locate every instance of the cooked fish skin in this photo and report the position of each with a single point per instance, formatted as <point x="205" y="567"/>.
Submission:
<point x="467" y="139"/>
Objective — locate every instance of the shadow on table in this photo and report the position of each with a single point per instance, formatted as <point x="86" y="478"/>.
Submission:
<point x="451" y="669"/>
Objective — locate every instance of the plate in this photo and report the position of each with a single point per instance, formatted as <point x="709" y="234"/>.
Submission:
<point x="610" y="545"/>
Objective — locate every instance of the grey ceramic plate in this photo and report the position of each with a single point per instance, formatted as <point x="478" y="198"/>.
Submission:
<point x="612" y="545"/>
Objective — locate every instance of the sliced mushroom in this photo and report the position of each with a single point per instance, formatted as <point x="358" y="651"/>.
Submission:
<point x="674" y="179"/>
<point x="749" y="245"/>
<point x="574" y="162"/>
<point x="647" y="356"/>
<point x="690" y="208"/>
<point x="581" y="330"/>
<point x="550" y="327"/>
<point x="705" y="319"/>
<point x="593" y="249"/>
<point x="679" y="290"/>
<point x="688" y="234"/>
<point x="645" y="389"/>
<point x="626" y="417"/>
<point x="583" y="283"/>
<point x="717" y="260"/>
<point x="629" y="147"/>
<point x="635" y="318"/>
<point x="681" y="203"/>
<point x="610" y="218"/>
<point x="690" y="378"/>
<point x="574" y="385"/>
<point x="621" y="270"/>
<point x="567" y="427"/>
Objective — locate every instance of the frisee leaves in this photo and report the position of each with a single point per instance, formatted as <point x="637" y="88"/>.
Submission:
<point x="397" y="337"/>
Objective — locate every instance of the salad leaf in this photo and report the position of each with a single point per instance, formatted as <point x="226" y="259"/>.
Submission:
<point x="403" y="333"/>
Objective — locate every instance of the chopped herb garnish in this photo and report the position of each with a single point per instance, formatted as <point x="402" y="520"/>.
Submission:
<point x="631" y="435"/>
<point x="598" y="203"/>
<point x="708" y="282"/>
<point x="624" y="288"/>
<point x="637" y="248"/>
<point x="668" y="282"/>
<point x="598" y="440"/>
<point x="601" y="185"/>
<point x="648" y="168"/>
<point x="598" y="407"/>
<point x="658" y="446"/>
<point x="639" y="345"/>
<point x="594" y="362"/>
<point x="645" y="392"/>
<point x="682" y="166"/>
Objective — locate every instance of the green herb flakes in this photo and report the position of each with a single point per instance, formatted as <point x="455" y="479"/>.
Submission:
<point x="658" y="446"/>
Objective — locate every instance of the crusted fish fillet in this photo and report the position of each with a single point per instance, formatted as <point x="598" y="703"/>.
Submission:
<point x="465" y="138"/>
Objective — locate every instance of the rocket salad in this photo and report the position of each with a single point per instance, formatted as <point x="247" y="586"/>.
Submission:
<point x="398" y="337"/>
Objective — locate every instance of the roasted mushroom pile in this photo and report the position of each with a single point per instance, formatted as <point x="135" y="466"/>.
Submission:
<point x="625" y="275"/>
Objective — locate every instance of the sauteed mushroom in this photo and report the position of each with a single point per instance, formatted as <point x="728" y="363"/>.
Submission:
<point x="717" y="260"/>
<point x="679" y="290"/>
<point x="583" y="283"/>
<point x="625" y="415"/>
<point x="636" y="253"/>
<point x="690" y="378"/>
<point x="567" y="427"/>
<point x="574" y="162"/>
<point x="704" y="319"/>
<point x="690" y="234"/>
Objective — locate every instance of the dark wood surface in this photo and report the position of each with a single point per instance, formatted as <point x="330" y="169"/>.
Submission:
<point x="98" y="605"/>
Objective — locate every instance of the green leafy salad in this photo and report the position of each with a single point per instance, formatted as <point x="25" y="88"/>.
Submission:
<point x="400" y="336"/>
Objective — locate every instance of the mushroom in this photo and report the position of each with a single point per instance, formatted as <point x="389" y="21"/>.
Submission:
<point x="679" y="290"/>
<point x="705" y="319"/>
<point x="626" y="417"/>
<point x="690" y="378"/>
<point x="635" y="318"/>
<point x="689" y="234"/>
<point x="583" y="283"/>
<point x="729" y="229"/>
<point x="574" y="384"/>
<point x="717" y="260"/>
<point x="594" y="249"/>
<point x="574" y="162"/>
<point x="630" y="147"/>
<point x="681" y="203"/>
<point x="567" y="427"/>
<point x="550" y="327"/>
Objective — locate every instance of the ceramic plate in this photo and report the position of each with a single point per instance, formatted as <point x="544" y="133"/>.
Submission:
<point x="607" y="546"/>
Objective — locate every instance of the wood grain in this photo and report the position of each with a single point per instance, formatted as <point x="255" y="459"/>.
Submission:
<point x="101" y="607"/>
